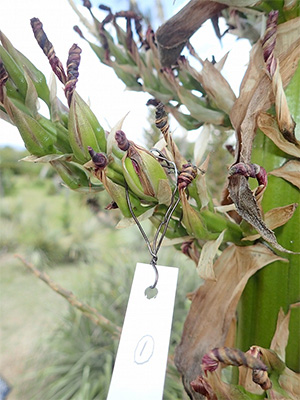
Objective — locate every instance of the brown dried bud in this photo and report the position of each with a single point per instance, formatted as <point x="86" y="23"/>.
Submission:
<point x="122" y="140"/>
<point x="229" y="356"/>
<point x="161" y="118"/>
<point x="112" y="206"/>
<point x="187" y="175"/>
<point x="78" y="30"/>
<point x="48" y="49"/>
<point x="262" y="379"/>
<point x="104" y="7"/>
<point x="190" y="250"/>
<point x="72" y="71"/>
<point x="269" y="41"/>
<point x="87" y="4"/>
<point x="99" y="159"/>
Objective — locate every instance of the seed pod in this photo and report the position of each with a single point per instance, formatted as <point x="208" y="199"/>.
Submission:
<point x="84" y="130"/>
<point x="143" y="173"/>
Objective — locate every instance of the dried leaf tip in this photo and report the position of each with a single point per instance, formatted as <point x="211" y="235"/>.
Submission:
<point x="48" y="49"/>
<point x="269" y="41"/>
<point x="72" y="71"/>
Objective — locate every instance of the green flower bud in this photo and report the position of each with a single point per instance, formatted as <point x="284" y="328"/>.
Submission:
<point x="143" y="173"/>
<point x="37" y="140"/>
<point x="84" y="130"/>
<point x="35" y="75"/>
<point x="14" y="71"/>
<point x="116" y="192"/>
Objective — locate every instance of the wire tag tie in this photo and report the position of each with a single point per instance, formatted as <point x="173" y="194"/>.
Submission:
<point x="156" y="244"/>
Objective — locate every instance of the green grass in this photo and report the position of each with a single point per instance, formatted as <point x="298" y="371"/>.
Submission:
<point x="49" y="350"/>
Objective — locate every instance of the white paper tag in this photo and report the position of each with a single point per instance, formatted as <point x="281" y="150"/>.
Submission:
<point x="140" y="367"/>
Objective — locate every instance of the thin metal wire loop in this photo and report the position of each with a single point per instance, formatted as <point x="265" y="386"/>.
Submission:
<point x="153" y="250"/>
<point x="153" y="263"/>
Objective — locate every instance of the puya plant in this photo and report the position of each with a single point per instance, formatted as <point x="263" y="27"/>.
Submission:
<point x="89" y="159"/>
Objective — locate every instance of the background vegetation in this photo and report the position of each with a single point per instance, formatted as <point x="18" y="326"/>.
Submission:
<point x="48" y="348"/>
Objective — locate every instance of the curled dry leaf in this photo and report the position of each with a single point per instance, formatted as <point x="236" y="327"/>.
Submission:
<point x="205" y="267"/>
<point x="248" y="209"/>
<point x="281" y="376"/>
<point x="281" y="335"/>
<point x="256" y="94"/>
<point x="290" y="171"/>
<point x="214" y="305"/>
<point x="268" y="124"/>
<point x="290" y="382"/>
<point x="275" y="218"/>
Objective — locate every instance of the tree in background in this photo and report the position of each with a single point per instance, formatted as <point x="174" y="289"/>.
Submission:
<point x="246" y="312"/>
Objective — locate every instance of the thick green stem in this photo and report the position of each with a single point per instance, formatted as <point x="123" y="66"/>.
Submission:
<point x="276" y="285"/>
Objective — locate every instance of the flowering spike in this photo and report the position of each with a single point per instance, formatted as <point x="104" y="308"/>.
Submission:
<point x="48" y="49"/>
<point x="72" y="71"/>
